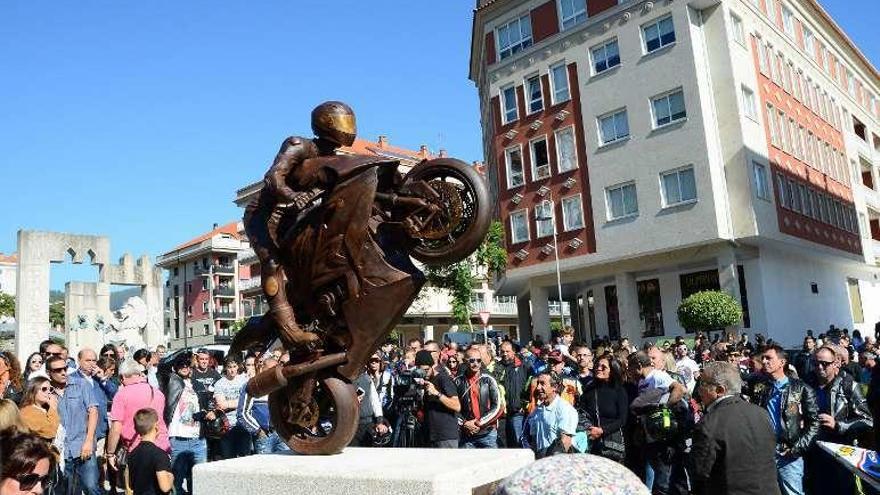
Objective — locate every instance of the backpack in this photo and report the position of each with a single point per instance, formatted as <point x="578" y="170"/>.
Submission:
<point x="660" y="424"/>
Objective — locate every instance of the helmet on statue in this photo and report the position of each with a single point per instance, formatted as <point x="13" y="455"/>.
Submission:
<point x="334" y="121"/>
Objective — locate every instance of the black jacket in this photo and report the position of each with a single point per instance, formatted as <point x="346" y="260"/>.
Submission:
<point x="175" y="390"/>
<point x="489" y="396"/>
<point x="514" y="377"/>
<point x="734" y="451"/>
<point x="800" y="412"/>
<point x="849" y="408"/>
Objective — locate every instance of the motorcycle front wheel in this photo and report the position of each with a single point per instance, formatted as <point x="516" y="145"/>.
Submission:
<point x="457" y="224"/>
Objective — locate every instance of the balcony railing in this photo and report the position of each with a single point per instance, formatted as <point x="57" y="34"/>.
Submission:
<point x="224" y="269"/>
<point x="496" y="308"/>
<point x="248" y="284"/>
<point x="214" y="269"/>
<point x="876" y="245"/>
<point x="224" y="291"/>
<point x="872" y="197"/>
<point x="224" y="315"/>
<point x="247" y="257"/>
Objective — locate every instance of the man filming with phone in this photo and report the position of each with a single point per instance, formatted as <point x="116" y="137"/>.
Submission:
<point x="441" y="403"/>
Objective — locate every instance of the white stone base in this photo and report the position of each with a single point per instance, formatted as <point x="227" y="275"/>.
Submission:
<point x="363" y="471"/>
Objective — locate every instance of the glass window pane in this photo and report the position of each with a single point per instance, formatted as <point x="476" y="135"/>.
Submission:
<point x="565" y="149"/>
<point x="612" y="54"/>
<point x="525" y="25"/>
<point x="631" y="204"/>
<point x="688" y="185"/>
<point x="670" y="189"/>
<point x="607" y="129"/>
<point x="621" y="125"/>
<point x="676" y="104"/>
<point x="616" y="201"/>
<point x="661" y="111"/>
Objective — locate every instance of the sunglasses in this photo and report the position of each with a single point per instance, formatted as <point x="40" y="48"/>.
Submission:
<point x="58" y="370"/>
<point x="109" y="354"/>
<point x="27" y="482"/>
<point x="53" y="353"/>
<point x="474" y="360"/>
<point x="375" y="360"/>
<point x="824" y="364"/>
<point x="453" y="360"/>
<point x="36" y="361"/>
<point x="47" y="389"/>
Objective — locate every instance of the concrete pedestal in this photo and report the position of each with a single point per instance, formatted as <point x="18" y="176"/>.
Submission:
<point x="363" y="471"/>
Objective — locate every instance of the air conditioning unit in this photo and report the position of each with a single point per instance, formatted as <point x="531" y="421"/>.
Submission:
<point x="575" y="243"/>
<point x="510" y="134"/>
<point x="521" y="254"/>
<point x="547" y="248"/>
<point x="562" y="115"/>
<point x="516" y="198"/>
<point x="569" y="183"/>
<point x="543" y="191"/>
<point x="536" y="125"/>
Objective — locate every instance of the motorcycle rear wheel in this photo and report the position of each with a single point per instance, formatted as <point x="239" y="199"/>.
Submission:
<point x="457" y="229"/>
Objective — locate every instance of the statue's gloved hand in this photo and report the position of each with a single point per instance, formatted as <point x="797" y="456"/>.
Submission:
<point x="278" y="188"/>
<point x="289" y="331"/>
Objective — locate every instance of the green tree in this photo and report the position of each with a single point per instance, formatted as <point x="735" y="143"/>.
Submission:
<point x="458" y="278"/>
<point x="709" y="310"/>
<point x="56" y="313"/>
<point x="7" y="305"/>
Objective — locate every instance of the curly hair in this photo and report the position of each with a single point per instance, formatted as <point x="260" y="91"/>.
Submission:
<point x="14" y="370"/>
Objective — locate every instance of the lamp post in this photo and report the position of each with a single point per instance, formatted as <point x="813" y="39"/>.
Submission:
<point x="552" y="218"/>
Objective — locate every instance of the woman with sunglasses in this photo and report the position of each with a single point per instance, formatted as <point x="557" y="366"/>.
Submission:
<point x="606" y="405"/>
<point x="10" y="377"/>
<point x="33" y="364"/>
<point x="39" y="408"/>
<point x="26" y="462"/>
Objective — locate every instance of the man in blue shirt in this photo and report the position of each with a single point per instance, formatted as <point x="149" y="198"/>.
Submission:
<point x="78" y="409"/>
<point x="553" y="418"/>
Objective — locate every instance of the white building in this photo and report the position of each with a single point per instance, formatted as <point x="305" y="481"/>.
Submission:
<point x="677" y="146"/>
<point x="8" y="273"/>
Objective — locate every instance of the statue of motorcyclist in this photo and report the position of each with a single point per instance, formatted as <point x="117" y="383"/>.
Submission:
<point x="289" y="183"/>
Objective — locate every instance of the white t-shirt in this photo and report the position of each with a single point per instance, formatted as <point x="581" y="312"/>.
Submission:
<point x="687" y="368"/>
<point x="230" y="390"/>
<point x="182" y="422"/>
<point x="655" y="379"/>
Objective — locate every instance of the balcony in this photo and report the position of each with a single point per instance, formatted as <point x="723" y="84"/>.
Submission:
<point x="224" y="292"/>
<point x="876" y="248"/>
<point x="872" y="197"/>
<point x="214" y="269"/>
<point x="224" y="269"/>
<point x="224" y="314"/>
<point x="248" y="257"/>
<point x="496" y="308"/>
<point x="249" y="284"/>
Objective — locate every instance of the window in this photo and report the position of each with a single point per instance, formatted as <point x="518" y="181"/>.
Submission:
<point x="794" y="196"/>
<point x="762" y="188"/>
<point x="678" y="186"/>
<point x="204" y="284"/>
<point x="736" y="27"/>
<point x="605" y="56"/>
<point x="669" y="108"/>
<point x="763" y="60"/>
<point x="534" y="95"/>
<point x="809" y="43"/>
<point x="771" y="10"/>
<point x="176" y="271"/>
<point x="540" y="159"/>
<point x="205" y="307"/>
<point x="805" y="200"/>
<point x="748" y="103"/>
<point x="189" y="288"/>
<point x="514" y="37"/>
<point x="572" y="213"/>
<point x="508" y="98"/>
<point x="515" y="176"/>
<point x="613" y="127"/>
<point x="781" y="189"/>
<point x="658" y="34"/>
<point x="559" y="80"/>
<point x="544" y="219"/>
<point x="573" y="12"/>
<point x="771" y="125"/>
<point x="621" y="201"/>
<point x="787" y="21"/>
<point x="782" y="127"/>
<point x="566" y="156"/>
<point x="519" y="227"/>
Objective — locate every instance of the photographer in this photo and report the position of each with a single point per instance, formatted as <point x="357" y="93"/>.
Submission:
<point x="372" y="427"/>
<point x="441" y="404"/>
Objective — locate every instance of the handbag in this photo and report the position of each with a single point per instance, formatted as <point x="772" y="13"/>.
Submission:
<point x="611" y="447"/>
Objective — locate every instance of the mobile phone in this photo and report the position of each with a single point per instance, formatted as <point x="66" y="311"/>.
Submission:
<point x="360" y="392"/>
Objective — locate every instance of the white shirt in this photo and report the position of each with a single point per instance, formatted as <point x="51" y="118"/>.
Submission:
<point x="182" y="422"/>
<point x="687" y="368"/>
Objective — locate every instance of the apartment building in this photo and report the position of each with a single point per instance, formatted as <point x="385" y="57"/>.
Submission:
<point x="201" y="292"/>
<point x="675" y="146"/>
<point x="431" y="314"/>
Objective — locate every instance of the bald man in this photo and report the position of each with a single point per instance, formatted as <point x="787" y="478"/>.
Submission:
<point x="87" y="368"/>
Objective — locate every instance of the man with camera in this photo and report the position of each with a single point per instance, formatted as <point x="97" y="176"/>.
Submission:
<point x="441" y="403"/>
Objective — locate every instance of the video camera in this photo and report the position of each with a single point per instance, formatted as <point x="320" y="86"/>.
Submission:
<point x="409" y="389"/>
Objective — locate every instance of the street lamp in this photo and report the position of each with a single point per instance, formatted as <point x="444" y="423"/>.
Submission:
<point x="552" y="218"/>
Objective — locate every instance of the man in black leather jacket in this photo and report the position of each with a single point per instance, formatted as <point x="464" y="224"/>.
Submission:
<point x="844" y="416"/>
<point x="478" y="417"/>
<point x="794" y="415"/>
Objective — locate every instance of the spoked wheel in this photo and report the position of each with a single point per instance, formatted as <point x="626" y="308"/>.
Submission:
<point x="456" y="221"/>
<point x="326" y="425"/>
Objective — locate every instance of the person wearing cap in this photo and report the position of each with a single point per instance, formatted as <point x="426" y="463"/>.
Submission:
<point x="441" y="403"/>
<point x="481" y="404"/>
<point x="371" y="420"/>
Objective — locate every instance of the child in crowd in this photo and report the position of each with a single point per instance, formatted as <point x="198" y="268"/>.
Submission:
<point x="149" y="466"/>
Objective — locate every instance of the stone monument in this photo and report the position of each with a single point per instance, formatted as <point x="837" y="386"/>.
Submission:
<point x="87" y="304"/>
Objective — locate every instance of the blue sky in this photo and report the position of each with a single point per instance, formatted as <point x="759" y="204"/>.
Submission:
<point x="139" y="120"/>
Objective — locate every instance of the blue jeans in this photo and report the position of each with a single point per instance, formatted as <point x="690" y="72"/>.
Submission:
<point x="488" y="440"/>
<point x="82" y="476"/>
<point x="186" y="453"/>
<point x="513" y="430"/>
<point x="790" y="474"/>
<point x="270" y="444"/>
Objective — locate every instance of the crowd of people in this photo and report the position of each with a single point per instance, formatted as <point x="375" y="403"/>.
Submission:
<point x="687" y="416"/>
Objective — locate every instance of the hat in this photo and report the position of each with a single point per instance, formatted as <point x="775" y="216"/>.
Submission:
<point x="424" y="358"/>
<point x="555" y="357"/>
<point x="573" y="473"/>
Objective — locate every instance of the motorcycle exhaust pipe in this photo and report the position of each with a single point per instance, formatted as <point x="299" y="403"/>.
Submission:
<point x="268" y="381"/>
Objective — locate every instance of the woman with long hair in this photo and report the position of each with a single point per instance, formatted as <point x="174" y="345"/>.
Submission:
<point x="10" y="377"/>
<point x="9" y="417"/>
<point x="26" y="463"/>
<point x="606" y="405"/>
<point x="34" y="363"/>
<point x="39" y="408"/>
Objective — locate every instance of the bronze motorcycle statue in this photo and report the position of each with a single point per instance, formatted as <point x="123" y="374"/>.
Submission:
<point x="344" y="246"/>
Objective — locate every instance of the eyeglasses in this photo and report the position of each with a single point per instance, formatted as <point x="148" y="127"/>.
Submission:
<point x="36" y="361"/>
<point x="47" y="389"/>
<point x="58" y="370"/>
<point x="109" y="354"/>
<point x="53" y="354"/>
<point x="824" y="364"/>
<point x="27" y="482"/>
<point x="375" y="360"/>
<point x="474" y="360"/>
